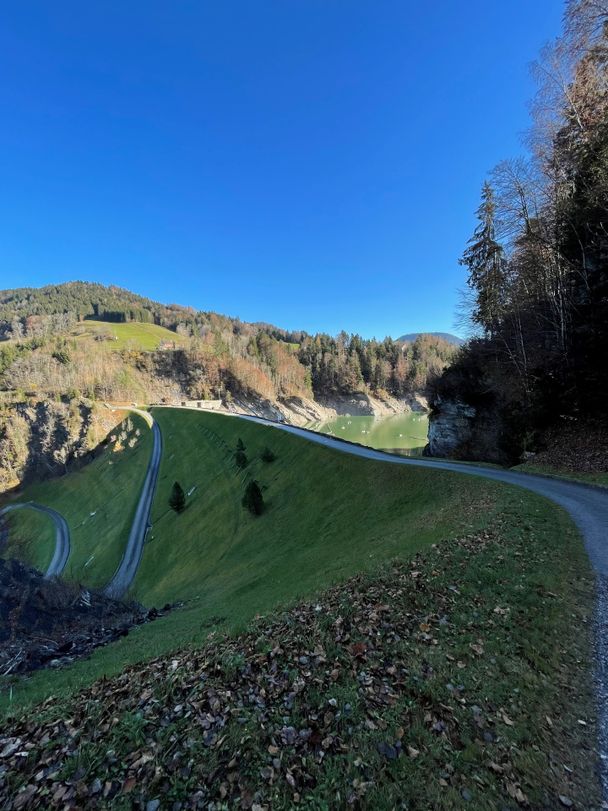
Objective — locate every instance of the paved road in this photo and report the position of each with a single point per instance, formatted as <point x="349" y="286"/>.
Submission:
<point x="62" y="535"/>
<point x="124" y="574"/>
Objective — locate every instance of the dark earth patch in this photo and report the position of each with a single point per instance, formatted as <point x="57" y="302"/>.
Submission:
<point x="49" y="623"/>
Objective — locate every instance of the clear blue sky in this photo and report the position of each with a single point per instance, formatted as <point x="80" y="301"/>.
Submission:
<point x="312" y="163"/>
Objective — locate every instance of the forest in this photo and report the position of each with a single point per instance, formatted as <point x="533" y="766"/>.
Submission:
<point x="42" y="352"/>
<point x="537" y="263"/>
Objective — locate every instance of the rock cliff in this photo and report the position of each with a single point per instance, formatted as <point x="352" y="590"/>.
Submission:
<point x="450" y="427"/>
<point x="41" y="438"/>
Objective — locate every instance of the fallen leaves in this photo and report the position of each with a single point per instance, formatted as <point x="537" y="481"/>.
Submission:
<point x="381" y="683"/>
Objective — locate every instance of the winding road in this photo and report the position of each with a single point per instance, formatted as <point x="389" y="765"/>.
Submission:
<point x="127" y="568"/>
<point x="62" y="535"/>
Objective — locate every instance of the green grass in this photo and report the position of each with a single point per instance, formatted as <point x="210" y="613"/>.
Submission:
<point x="457" y="680"/>
<point x="329" y="515"/>
<point x="489" y="632"/>
<point x="133" y="335"/>
<point x="98" y="502"/>
<point x="550" y="470"/>
<point x="31" y="538"/>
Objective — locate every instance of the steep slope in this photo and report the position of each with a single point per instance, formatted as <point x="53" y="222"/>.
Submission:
<point x="454" y="679"/>
<point x="471" y="652"/>
<point x="328" y="516"/>
<point x="97" y="501"/>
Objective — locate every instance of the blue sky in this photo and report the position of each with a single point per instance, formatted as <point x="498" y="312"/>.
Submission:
<point x="312" y="163"/>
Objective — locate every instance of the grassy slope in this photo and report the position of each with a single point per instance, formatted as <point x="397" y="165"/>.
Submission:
<point x="109" y="487"/>
<point x="31" y="538"/>
<point x="132" y="335"/>
<point x="329" y="515"/>
<point x="458" y="680"/>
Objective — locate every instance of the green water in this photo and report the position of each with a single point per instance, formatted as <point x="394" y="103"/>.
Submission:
<point x="405" y="433"/>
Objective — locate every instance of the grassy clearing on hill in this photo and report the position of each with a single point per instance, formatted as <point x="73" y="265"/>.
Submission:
<point x="132" y="335"/>
<point x="458" y="679"/>
<point x="98" y="502"/>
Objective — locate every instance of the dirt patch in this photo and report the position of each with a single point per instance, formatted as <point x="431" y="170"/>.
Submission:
<point x="49" y="623"/>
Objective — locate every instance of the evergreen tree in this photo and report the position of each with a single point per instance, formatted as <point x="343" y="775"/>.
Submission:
<point x="239" y="456"/>
<point x="268" y="455"/>
<point x="177" y="499"/>
<point x="253" y="500"/>
<point x="485" y="261"/>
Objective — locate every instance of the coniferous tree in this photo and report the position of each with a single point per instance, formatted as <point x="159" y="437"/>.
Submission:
<point x="240" y="456"/>
<point x="177" y="499"/>
<point x="484" y="259"/>
<point x="268" y="455"/>
<point x="253" y="500"/>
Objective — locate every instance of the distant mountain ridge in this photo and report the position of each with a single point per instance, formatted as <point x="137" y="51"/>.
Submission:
<point x="446" y="336"/>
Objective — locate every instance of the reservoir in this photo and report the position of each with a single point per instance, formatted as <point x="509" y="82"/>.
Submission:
<point x="402" y="433"/>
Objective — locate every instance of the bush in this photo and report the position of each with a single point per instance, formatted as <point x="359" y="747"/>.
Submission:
<point x="268" y="455"/>
<point x="253" y="500"/>
<point x="239" y="456"/>
<point x="177" y="499"/>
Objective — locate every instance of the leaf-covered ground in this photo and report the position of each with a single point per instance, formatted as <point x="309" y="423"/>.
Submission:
<point x="459" y="679"/>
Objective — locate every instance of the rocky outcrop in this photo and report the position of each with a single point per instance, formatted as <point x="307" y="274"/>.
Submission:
<point x="450" y="428"/>
<point x="301" y="411"/>
<point x="41" y="438"/>
<point x="473" y="433"/>
<point x="361" y="404"/>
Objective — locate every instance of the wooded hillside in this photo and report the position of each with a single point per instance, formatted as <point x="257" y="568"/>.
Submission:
<point x="538" y="260"/>
<point x="49" y="350"/>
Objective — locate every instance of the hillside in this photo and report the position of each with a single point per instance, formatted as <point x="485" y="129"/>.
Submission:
<point x="26" y="310"/>
<point x="68" y="348"/>
<point x="98" y="502"/>
<point x="220" y="355"/>
<point x="328" y="516"/>
<point x="359" y="673"/>
<point x="133" y="335"/>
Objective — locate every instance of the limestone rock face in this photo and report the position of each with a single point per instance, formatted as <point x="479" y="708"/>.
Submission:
<point x="450" y="427"/>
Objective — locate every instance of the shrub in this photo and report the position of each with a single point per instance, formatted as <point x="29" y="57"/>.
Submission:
<point x="268" y="455"/>
<point x="177" y="499"/>
<point x="239" y="456"/>
<point x="253" y="500"/>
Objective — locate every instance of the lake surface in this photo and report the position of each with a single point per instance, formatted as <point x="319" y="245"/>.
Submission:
<point x="405" y="433"/>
